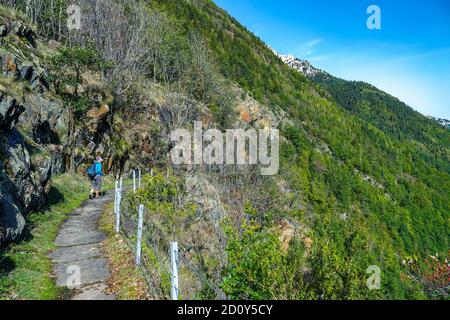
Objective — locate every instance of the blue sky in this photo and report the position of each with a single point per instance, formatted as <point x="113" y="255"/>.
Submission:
<point x="408" y="58"/>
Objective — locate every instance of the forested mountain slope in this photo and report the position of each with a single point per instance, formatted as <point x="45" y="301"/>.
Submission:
<point x="378" y="159"/>
<point x="384" y="111"/>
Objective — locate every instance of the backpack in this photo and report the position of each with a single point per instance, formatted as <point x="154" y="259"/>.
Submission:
<point x="91" y="171"/>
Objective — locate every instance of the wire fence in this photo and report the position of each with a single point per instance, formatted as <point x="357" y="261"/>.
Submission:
<point x="169" y="267"/>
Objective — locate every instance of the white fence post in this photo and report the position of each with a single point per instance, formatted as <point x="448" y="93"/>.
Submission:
<point x="115" y="199"/>
<point x="151" y="172"/>
<point x="120" y="195"/>
<point x="174" y="272"/>
<point x="139" y="234"/>
<point x="139" y="179"/>
<point x="117" y="207"/>
<point x="134" y="180"/>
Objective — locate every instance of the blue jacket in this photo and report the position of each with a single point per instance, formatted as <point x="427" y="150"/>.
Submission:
<point x="98" y="169"/>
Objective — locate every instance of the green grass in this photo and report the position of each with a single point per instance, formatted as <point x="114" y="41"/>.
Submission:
<point x="25" y="269"/>
<point x="109" y="182"/>
<point x="127" y="281"/>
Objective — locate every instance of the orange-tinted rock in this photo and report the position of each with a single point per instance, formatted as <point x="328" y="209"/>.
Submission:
<point x="10" y="65"/>
<point x="245" y="117"/>
<point x="308" y="242"/>
<point x="98" y="113"/>
<point x="287" y="232"/>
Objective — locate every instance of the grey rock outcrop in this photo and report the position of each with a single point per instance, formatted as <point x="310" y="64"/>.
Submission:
<point x="38" y="134"/>
<point x="17" y="27"/>
<point x="10" y="112"/>
<point x="11" y="220"/>
<point x="3" y="30"/>
<point x="25" y="170"/>
<point x="205" y="196"/>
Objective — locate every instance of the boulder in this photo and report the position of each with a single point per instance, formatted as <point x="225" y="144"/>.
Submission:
<point x="91" y="147"/>
<point x="22" y="30"/>
<point x="3" y="30"/>
<point x="9" y="66"/>
<point x="57" y="165"/>
<point x="37" y="80"/>
<point x="11" y="220"/>
<point x="25" y="71"/>
<point x="95" y="117"/>
<point x="287" y="231"/>
<point x="27" y="183"/>
<point x="164" y="115"/>
<point x="29" y="180"/>
<point x="10" y="112"/>
<point x="31" y="193"/>
<point x="47" y="119"/>
<point x="98" y="113"/>
<point x="42" y="133"/>
<point x="19" y="158"/>
<point x="20" y="67"/>
<point x="43" y="167"/>
<point x="251" y="112"/>
<point x="205" y="196"/>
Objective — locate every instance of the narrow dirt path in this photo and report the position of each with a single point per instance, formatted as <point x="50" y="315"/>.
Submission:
<point x="78" y="260"/>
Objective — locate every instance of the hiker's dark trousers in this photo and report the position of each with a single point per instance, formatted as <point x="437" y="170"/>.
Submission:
<point x="97" y="183"/>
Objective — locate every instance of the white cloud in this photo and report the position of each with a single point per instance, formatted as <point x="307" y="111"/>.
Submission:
<point x="323" y="57"/>
<point x="306" y="49"/>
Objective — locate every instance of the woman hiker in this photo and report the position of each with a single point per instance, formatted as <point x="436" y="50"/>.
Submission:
<point x="97" y="178"/>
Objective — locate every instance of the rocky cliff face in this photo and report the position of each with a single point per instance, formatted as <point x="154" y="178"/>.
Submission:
<point x="24" y="175"/>
<point x="39" y="136"/>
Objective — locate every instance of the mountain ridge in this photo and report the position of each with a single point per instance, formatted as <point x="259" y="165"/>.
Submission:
<point x="306" y="68"/>
<point x="443" y="122"/>
<point x="335" y="85"/>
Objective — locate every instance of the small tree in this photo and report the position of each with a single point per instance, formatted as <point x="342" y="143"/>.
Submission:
<point x="73" y="61"/>
<point x="257" y="267"/>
